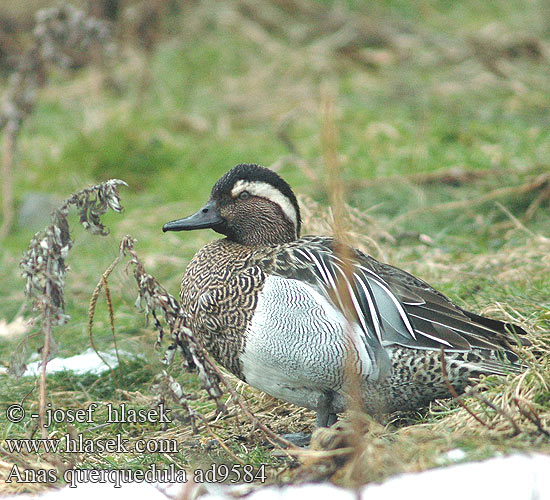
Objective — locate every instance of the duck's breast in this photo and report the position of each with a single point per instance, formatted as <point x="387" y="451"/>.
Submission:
<point x="296" y="345"/>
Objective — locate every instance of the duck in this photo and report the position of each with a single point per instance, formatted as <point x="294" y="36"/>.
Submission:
<point x="301" y="317"/>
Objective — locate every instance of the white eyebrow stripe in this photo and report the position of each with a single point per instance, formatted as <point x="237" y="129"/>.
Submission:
<point x="267" y="191"/>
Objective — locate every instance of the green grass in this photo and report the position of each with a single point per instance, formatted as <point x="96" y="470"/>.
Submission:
<point x="219" y="96"/>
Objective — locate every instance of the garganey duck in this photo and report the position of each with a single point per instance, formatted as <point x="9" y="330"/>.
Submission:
<point x="267" y="304"/>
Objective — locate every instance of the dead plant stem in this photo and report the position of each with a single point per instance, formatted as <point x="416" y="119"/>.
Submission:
<point x="342" y="249"/>
<point x="91" y="312"/>
<point x="47" y="328"/>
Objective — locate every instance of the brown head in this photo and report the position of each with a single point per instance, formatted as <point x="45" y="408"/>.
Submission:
<point x="251" y="205"/>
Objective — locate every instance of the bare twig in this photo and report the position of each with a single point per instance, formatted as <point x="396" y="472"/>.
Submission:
<point x="533" y="207"/>
<point x="531" y="415"/>
<point x="501" y="411"/>
<point x="220" y="440"/>
<point x="47" y="329"/>
<point x="518" y="224"/>
<point x="454" y="176"/>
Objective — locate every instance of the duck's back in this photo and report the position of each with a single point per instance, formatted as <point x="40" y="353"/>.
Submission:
<point x="268" y="314"/>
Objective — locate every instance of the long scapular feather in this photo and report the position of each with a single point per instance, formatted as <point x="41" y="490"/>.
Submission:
<point x="393" y="307"/>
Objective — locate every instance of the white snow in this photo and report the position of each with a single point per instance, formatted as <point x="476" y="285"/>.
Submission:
<point x="516" y="477"/>
<point x="452" y="456"/>
<point x="86" y="362"/>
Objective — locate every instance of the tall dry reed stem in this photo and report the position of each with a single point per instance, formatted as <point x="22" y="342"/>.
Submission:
<point x="335" y="187"/>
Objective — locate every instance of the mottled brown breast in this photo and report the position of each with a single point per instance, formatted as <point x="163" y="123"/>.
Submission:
<point x="220" y="290"/>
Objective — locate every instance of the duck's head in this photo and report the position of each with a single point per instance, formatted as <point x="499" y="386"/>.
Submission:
<point x="251" y="205"/>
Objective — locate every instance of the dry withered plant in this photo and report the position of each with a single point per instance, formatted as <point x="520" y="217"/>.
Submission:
<point x="63" y="37"/>
<point x="44" y="267"/>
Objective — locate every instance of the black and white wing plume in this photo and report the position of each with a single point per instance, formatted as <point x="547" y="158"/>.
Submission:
<point x="391" y="306"/>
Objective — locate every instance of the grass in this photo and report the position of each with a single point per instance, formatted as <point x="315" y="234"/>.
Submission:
<point x="225" y="90"/>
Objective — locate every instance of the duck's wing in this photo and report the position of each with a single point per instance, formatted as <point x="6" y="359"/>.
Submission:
<point x="429" y="308"/>
<point x="391" y="306"/>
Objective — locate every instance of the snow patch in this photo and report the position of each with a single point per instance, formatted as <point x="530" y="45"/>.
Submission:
<point x="86" y="362"/>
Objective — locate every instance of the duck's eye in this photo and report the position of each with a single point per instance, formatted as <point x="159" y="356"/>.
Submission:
<point x="244" y="195"/>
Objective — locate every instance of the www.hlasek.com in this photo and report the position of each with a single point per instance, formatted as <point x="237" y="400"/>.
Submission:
<point x="217" y="473"/>
<point x="78" y="443"/>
